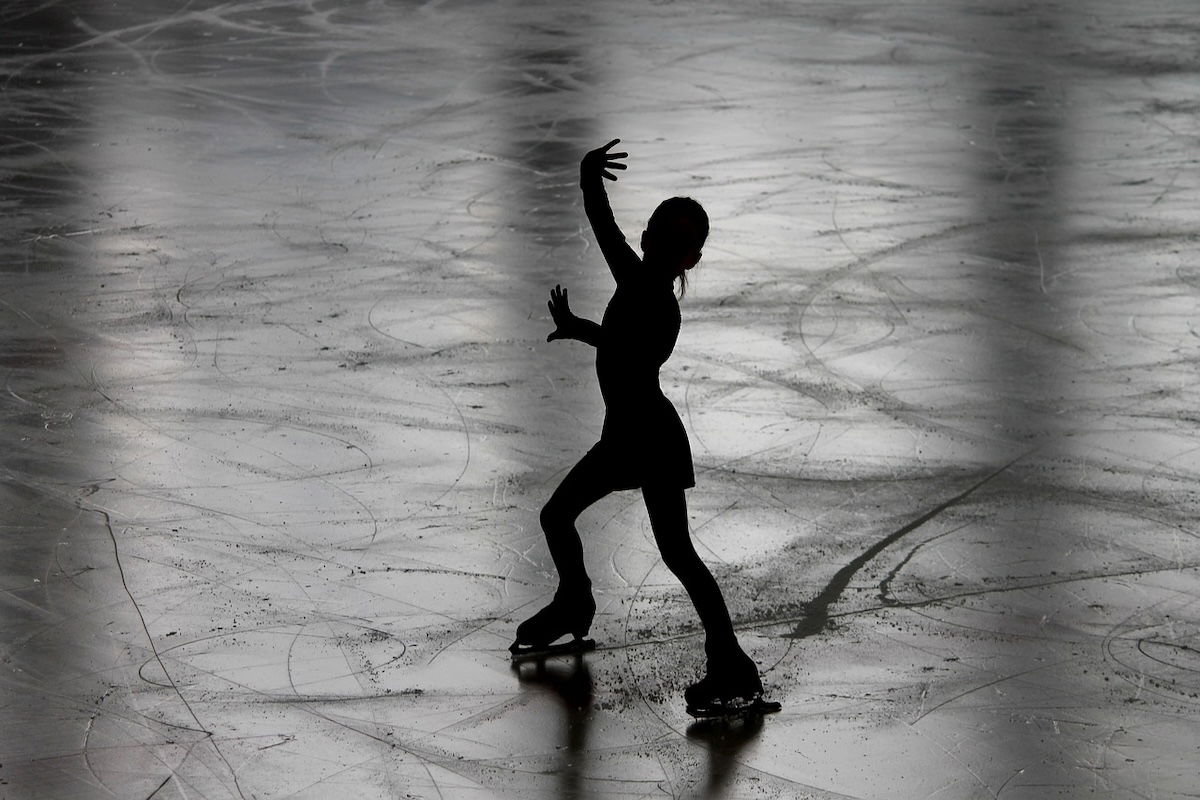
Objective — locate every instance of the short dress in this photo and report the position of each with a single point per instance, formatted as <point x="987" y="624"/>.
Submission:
<point x="643" y="441"/>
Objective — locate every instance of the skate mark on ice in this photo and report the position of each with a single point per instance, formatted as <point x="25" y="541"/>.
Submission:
<point x="1138" y="572"/>
<point x="1011" y="676"/>
<point x="439" y="387"/>
<point x="817" y="610"/>
<point x="165" y="781"/>
<point x="1156" y="650"/>
<point x="200" y="727"/>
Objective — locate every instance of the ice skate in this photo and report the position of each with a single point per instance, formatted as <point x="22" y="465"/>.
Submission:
<point x="537" y="637"/>
<point x="729" y="690"/>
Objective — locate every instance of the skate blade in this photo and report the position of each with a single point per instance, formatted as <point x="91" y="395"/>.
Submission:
<point x="749" y="708"/>
<point x="528" y="653"/>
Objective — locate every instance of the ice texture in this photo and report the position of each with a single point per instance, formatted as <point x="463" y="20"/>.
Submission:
<point x="278" y="413"/>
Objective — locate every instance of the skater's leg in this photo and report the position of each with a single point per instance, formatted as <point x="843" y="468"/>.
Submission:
<point x="668" y="519"/>
<point x="732" y="677"/>
<point x="572" y="609"/>
<point x="587" y="482"/>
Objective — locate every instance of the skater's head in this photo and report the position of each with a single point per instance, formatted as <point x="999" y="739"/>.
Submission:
<point x="674" y="237"/>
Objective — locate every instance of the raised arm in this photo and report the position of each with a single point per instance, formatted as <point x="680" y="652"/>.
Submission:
<point x="593" y="169"/>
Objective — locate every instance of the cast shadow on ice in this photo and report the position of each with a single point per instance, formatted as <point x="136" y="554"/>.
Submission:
<point x="724" y="740"/>
<point x="816" y="611"/>
<point x="569" y="681"/>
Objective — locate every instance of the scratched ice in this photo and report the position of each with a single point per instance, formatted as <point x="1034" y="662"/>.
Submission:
<point x="278" y="413"/>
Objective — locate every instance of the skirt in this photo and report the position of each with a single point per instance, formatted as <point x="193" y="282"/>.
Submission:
<point x="646" y="448"/>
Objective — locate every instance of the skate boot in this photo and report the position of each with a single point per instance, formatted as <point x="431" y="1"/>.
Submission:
<point x="568" y="614"/>
<point x="730" y="687"/>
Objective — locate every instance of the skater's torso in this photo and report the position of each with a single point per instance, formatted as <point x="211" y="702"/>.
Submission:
<point x="638" y="333"/>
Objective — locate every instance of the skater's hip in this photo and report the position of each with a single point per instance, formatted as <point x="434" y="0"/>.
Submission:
<point x="636" y="455"/>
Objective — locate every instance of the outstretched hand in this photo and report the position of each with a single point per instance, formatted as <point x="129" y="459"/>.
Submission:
<point x="561" y="312"/>
<point x="598" y="162"/>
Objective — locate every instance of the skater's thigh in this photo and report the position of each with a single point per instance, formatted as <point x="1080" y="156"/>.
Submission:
<point x="667" y="509"/>
<point x="588" y="481"/>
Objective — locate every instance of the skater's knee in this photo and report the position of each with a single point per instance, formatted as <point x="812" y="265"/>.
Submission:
<point x="685" y="565"/>
<point x="555" y="516"/>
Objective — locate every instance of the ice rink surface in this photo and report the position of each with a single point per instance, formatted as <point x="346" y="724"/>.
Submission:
<point x="278" y="413"/>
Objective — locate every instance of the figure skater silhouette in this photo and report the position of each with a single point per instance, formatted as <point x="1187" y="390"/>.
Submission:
<point x="643" y="444"/>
